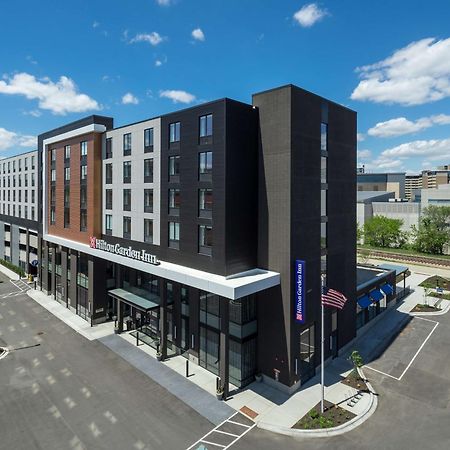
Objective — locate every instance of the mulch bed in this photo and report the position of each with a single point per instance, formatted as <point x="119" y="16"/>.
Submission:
<point x="332" y="416"/>
<point x="424" y="308"/>
<point x="355" y="382"/>
<point x="434" y="281"/>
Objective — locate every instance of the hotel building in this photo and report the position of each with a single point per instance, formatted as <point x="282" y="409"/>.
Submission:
<point x="189" y="228"/>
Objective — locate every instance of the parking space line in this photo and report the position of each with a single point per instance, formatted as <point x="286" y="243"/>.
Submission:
<point x="237" y="423"/>
<point x="225" y="432"/>
<point x="420" y="348"/>
<point x="212" y="443"/>
<point x="382" y="373"/>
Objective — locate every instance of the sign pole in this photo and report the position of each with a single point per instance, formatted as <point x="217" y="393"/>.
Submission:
<point x="322" y="356"/>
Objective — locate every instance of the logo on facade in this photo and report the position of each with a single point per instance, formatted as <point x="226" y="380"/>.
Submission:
<point x="299" y="290"/>
<point x="129" y="252"/>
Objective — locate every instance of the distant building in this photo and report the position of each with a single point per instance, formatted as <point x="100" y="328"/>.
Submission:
<point x="364" y="201"/>
<point x="428" y="179"/>
<point x="387" y="182"/>
<point x="439" y="196"/>
<point x="412" y="182"/>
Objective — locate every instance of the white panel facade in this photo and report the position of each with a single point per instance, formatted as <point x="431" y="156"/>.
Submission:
<point x="137" y="184"/>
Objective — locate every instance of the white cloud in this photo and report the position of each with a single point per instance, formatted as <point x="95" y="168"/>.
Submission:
<point x="152" y="38"/>
<point x="416" y="74"/>
<point x="308" y="15"/>
<point x="61" y="97"/>
<point x="158" y="63"/>
<point x="129" y="99"/>
<point x="198" y="35"/>
<point x="164" y="2"/>
<point x="178" y="96"/>
<point x="10" y="139"/>
<point x="95" y="24"/>
<point x="33" y="112"/>
<point x="360" y="137"/>
<point x="401" y="126"/>
<point x="364" y="154"/>
<point x="432" y="149"/>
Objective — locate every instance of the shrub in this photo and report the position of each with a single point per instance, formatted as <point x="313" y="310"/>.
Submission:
<point x="12" y="267"/>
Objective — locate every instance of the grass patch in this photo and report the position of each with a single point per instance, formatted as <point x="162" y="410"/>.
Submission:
<point x="434" y="281"/>
<point x="332" y="416"/>
<point x="402" y="251"/>
<point x="436" y="295"/>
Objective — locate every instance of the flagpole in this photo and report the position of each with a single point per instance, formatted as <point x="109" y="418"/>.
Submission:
<point x="322" y="376"/>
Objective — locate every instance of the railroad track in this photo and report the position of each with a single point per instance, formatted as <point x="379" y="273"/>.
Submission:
<point x="426" y="260"/>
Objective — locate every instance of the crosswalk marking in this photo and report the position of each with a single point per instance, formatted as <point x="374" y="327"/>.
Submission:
<point x="208" y="438"/>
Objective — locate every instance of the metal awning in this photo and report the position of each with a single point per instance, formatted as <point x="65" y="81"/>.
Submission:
<point x="141" y="303"/>
<point x="376" y="295"/>
<point x="364" y="301"/>
<point x="399" y="270"/>
<point x="387" y="289"/>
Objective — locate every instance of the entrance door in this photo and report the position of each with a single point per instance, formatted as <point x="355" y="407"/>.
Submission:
<point x="209" y="350"/>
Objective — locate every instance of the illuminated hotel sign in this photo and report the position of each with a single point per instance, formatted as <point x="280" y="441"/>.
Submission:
<point x="299" y="291"/>
<point x="129" y="252"/>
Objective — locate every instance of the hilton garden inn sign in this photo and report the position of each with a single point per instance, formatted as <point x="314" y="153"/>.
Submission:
<point x="117" y="249"/>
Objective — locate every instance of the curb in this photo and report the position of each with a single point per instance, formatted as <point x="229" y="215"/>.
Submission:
<point x="328" y="432"/>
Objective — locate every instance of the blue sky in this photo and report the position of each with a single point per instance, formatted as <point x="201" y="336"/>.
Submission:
<point x="389" y="61"/>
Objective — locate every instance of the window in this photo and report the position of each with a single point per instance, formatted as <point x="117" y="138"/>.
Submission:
<point x="307" y="353"/>
<point x="83" y="173"/>
<point x="206" y="126"/>
<point x="205" y="203"/>
<point x="14" y="167"/>
<point x="66" y="217"/>
<point x="83" y="220"/>
<point x="67" y="174"/>
<point x="127" y="227"/>
<point x="108" y="224"/>
<point x="32" y="213"/>
<point x="174" y="132"/>
<point x="83" y="148"/>
<point x="67" y="152"/>
<point x="174" y="168"/>
<point x="14" y="181"/>
<point x="148" y="140"/>
<point x="20" y="212"/>
<point x="174" y="202"/>
<point x="20" y="164"/>
<point x="148" y="231"/>
<point x="323" y="170"/>
<point x="127" y="199"/>
<point x="174" y="235"/>
<point x="108" y="198"/>
<point x="32" y="196"/>
<point x="148" y="170"/>
<point x="205" y="166"/>
<point x="127" y="144"/>
<point x="108" y="173"/>
<point x="148" y="200"/>
<point x="323" y="202"/>
<point x="26" y="212"/>
<point x="66" y="196"/>
<point x="52" y="214"/>
<point x="25" y="165"/>
<point x="323" y="235"/>
<point x="205" y="240"/>
<point x="20" y="181"/>
<point x="127" y="171"/>
<point x="324" y="137"/>
<point x="20" y="196"/>
<point x="32" y="162"/>
<point x="83" y="197"/>
<point x="108" y="150"/>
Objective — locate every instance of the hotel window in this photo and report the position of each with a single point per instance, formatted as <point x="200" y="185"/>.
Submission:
<point x="148" y="231"/>
<point x="174" y="168"/>
<point x="323" y="170"/>
<point x="67" y="152"/>
<point x="206" y="127"/>
<point x="174" y="235"/>
<point x="26" y="212"/>
<point x="108" y="152"/>
<point x="14" y="166"/>
<point x="205" y="166"/>
<point x="174" y="202"/>
<point x="9" y="181"/>
<point x="32" y="196"/>
<point x="127" y="227"/>
<point x="108" y="173"/>
<point x="174" y="132"/>
<point x="83" y="173"/>
<point x="20" y="212"/>
<point x="14" y="181"/>
<point x="20" y="164"/>
<point x="205" y="203"/>
<point x="83" y="148"/>
<point x="148" y="200"/>
<point x="83" y="220"/>
<point x="323" y="235"/>
<point x="20" y="196"/>
<point x="32" y="213"/>
<point x="127" y="172"/>
<point x="14" y="196"/>
<point x="67" y="174"/>
<point x="83" y="197"/>
<point x="66" y="217"/>
<point x="25" y="165"/>
<point x="14" y="210"/>
<point x="307" y="353"/>
<point x="66" y="196"/>
<point x="127" y="144"/>
<point x="108" y="224"/>
<point x="32" y="162"/>
<point x="205" y="240"/>
<point x="109" y="198"/>
<point x="323" y="202"/>
<point x="148" y="140"/>
<point x="53" y="177"/>
<point x="9" y="166"/>
<point x="148" y="170"/>
<point x="127" y="199"/>
<point x="20" y="181"/>
<point x="324" y="137"/>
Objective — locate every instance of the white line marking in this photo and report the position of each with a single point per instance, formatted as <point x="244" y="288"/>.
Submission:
<point x="212" y="443"/>
<point x="241" y="436"/>
<point x="418" y="351"/>
<point x="382" y="373"/>
<point x="225" y="432"/>
<point x="423" y="318"/>
<point x="237" y="423"/>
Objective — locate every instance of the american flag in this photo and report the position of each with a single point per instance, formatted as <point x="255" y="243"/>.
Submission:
<point x="330" y="297"/>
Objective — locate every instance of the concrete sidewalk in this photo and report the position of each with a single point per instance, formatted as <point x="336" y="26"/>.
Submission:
<point x="270" y="408"/>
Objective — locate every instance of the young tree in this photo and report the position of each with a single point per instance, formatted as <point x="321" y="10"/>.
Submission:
<point x="359" y="233"/>
<point x="434" y="230"/>
<point x="380" y="231"/>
